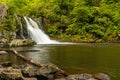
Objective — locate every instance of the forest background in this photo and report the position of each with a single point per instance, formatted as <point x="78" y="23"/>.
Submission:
<point x="67" y="20"/>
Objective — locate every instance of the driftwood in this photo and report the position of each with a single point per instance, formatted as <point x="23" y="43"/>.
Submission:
<point x="29" y="60"/>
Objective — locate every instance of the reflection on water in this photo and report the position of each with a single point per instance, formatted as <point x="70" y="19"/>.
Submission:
<point x="38" y="53"/>
<point x="75" y="58"/>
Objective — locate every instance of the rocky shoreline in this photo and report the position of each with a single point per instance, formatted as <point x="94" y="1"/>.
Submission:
<point x="10" y="71"/>
<point x="33" y="70"/>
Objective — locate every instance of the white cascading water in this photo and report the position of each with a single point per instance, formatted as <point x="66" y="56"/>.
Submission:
<point x="36" y="33"/>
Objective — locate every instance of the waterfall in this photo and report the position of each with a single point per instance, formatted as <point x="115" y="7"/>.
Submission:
<point x="36" y="33"/>
<point x="21" y="28"/>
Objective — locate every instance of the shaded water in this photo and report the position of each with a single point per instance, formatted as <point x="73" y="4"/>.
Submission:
<point x="75" y="58"/>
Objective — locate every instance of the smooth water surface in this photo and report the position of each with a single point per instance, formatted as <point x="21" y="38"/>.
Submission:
<point x="75" y="58"/>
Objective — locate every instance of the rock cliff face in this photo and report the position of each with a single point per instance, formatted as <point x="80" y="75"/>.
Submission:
<point x="3" y="13"/>
<point x="6" y="37"/>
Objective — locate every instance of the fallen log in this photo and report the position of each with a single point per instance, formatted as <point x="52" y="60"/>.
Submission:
<point x="28" y="60"/>
<point x="58" y="71"/>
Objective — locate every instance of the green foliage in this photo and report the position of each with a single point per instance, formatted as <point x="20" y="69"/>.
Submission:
<point x="52" y="30"/>
<point x="98" y="19"/>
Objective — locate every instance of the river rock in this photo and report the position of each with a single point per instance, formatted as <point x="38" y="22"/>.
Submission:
<point x="22" y="42"/>
<point x="101" y="76"/>
<point x="6" y="64"/>
<point x="47" y="71"/>
<point x="10" y="74"/>
<point x="83" y="76"/>
<point x="3" y="53"/>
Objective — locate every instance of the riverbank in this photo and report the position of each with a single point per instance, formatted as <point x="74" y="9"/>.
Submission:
<point x="84" y="39"/>
<point x="11" y="71"/>
<point x="79" y="59"/>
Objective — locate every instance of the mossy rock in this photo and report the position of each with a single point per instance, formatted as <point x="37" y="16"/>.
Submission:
<point x="22" y="42"/>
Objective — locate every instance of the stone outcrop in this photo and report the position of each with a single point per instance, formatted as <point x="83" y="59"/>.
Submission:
<point x="22" y="42"/>
<point x="3" y="13"/>
<point x="28" y="72"/>
<point x="6" y="37"/>
<point x="46" y="72"/>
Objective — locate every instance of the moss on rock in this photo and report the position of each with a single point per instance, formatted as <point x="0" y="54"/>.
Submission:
<point x="22" y="42"/>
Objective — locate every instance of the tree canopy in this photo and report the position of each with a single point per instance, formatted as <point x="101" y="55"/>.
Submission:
<point x="91" y="20"/>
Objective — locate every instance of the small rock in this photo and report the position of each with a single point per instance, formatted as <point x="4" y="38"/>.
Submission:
<point x="29" y="79"/>
<point x="6" y="64"/>
<point x="101" y="76"/>
<point x="61" y="79"/>
<point x="3" y="53"/>
<point x="83" y="76"/>
<point x="22" y="42"/>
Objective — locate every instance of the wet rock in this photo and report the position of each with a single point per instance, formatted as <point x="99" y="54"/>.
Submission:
<point x="76" y="79"/>
<point x="30" y="79"/>
<point x="83" y="76"/>
<point x="10" y="74"/>
<point x="3" y="53"/>
<point x="28" y="70"/>
<point x="22" y="42"/>
<point x="47" y="71"/>
<point x="6" y="64"/>
<point x="101" y="76"/>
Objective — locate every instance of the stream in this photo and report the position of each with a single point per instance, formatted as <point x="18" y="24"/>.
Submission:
<point x="74" y="58"/>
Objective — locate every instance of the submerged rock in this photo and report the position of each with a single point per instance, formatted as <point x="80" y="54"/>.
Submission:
<point x="85" y="76"/>
<point x="101" y="76"/>
<point x="22" y="42"/>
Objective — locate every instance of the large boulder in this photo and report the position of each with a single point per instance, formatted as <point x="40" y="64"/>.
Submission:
<point x="101" y="76"/>
<point x="47" y="71"/>
<point x="22" y="42"/>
